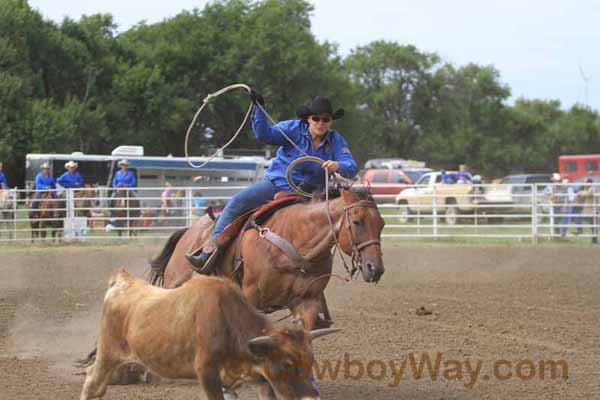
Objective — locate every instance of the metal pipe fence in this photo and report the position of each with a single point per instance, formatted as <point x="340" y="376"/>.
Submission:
<point x="518" y="212"/>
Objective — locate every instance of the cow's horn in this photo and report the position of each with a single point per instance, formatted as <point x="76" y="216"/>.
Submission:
<point x="262" y="341"/>
<point x="317" y="333"/>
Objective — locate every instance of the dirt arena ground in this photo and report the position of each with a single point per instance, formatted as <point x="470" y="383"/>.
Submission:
<point x="520" y="304"/>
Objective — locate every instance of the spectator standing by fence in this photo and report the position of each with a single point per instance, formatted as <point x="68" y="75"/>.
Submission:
<point x="555" y="196"/>
<point x="3" y="182"/>
<point x="165" y="199"/>
<point x="568" y="198"/>
<point x="587" y="199"/>
<point x="463" y="176"/>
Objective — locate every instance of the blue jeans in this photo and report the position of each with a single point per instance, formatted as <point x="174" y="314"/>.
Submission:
<point x="251" y="197"/>
<point x="565" y="219"/>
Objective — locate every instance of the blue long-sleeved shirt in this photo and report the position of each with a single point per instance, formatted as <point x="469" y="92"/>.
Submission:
<point x="334" y="147"/>
<point x="464" y="175"/>
<point x="3" y="182"/>
<point x="44" y="182"/>
<point x="126" y="179"/>
<point x="68" y="180"/>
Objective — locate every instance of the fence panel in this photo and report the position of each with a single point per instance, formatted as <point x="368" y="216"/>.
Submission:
<point x="515" y="212"/>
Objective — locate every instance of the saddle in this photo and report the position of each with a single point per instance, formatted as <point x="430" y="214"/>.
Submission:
<point x="248" y="220"/>
<point x="258" y="215"/>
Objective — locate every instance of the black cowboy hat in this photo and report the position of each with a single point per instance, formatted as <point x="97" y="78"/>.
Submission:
<point x="319" y="105"/>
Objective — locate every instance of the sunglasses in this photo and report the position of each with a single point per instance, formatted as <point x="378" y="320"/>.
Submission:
<point x="319" y="119"/>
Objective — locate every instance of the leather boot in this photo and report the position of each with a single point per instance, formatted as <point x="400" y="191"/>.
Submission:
<point x="201" y="260"/>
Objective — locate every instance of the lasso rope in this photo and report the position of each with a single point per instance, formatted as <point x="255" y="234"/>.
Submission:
<point x="207" y="100"/>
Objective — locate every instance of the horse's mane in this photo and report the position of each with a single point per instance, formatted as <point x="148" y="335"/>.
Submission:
<point x="361" y="191"/>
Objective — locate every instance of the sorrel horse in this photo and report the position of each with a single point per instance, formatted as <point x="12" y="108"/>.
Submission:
<point x="83" y="200"/>
<point x="270" y="279"/>
<point x="125" y="210"/>
<point x="49" y="217"/>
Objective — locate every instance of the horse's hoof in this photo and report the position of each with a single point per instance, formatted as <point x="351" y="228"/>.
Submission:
<point x="322" y="323"/>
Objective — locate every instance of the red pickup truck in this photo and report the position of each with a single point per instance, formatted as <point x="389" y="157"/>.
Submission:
<point x="385" y="184"/>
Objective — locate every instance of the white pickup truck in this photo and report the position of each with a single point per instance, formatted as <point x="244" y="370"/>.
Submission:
<point x="430" y="192"/>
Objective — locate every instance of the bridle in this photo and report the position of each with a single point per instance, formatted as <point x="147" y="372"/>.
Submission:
<point x="356" y="248"/>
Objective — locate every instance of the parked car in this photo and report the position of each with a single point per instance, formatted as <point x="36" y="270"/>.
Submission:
<point x="581" y="179"/>
<point x="416" y="173"/>
<point x="385" y="184"/>
<point x="431" y="192"/>
<point x="393" y="163"/>
<point x="513" y="192"/>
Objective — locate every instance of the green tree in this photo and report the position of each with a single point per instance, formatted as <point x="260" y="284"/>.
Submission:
<point x="394" y="83"/>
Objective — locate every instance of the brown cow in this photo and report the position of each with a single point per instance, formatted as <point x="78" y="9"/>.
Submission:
<point x="204" y="330"/>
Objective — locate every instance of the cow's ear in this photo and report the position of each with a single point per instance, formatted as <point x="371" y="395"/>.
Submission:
<point x="261" y="346"/>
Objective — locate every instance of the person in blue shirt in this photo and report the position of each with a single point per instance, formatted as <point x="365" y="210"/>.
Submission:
<point x="44" y="181"/>
<point x="72" y="178"/>
<point x="462" y="176"/>
<point x="124" y="178"/>
<point x="447" y="178"/>
<point x="199" y="203"/>
<point x="313" y="133"/>
<point x="3" y="182"/>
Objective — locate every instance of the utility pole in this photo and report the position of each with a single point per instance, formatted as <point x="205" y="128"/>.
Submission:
<point x="586" y="82"/>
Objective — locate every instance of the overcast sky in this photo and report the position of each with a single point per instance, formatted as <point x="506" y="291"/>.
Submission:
<point x="539" y="46"/>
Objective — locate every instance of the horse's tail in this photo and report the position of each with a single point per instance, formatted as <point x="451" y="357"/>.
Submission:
<point x="159" y="264"/>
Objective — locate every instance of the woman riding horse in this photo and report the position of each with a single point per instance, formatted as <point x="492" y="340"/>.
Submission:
<point x="313" y="134"/>
<point x="44" y="182"/>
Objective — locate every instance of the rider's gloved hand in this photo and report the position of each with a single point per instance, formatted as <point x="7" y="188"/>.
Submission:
<point x="331" y="166"/>
<point x="256" y="98"/>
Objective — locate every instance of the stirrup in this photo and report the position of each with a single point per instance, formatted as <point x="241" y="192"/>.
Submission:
<point x="206" y="268"/>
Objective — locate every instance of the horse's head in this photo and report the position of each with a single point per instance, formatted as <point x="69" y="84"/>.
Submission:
<point x="48" y="206"/>
<point x="120" y="198"/>
<point x="360" y="232"/>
